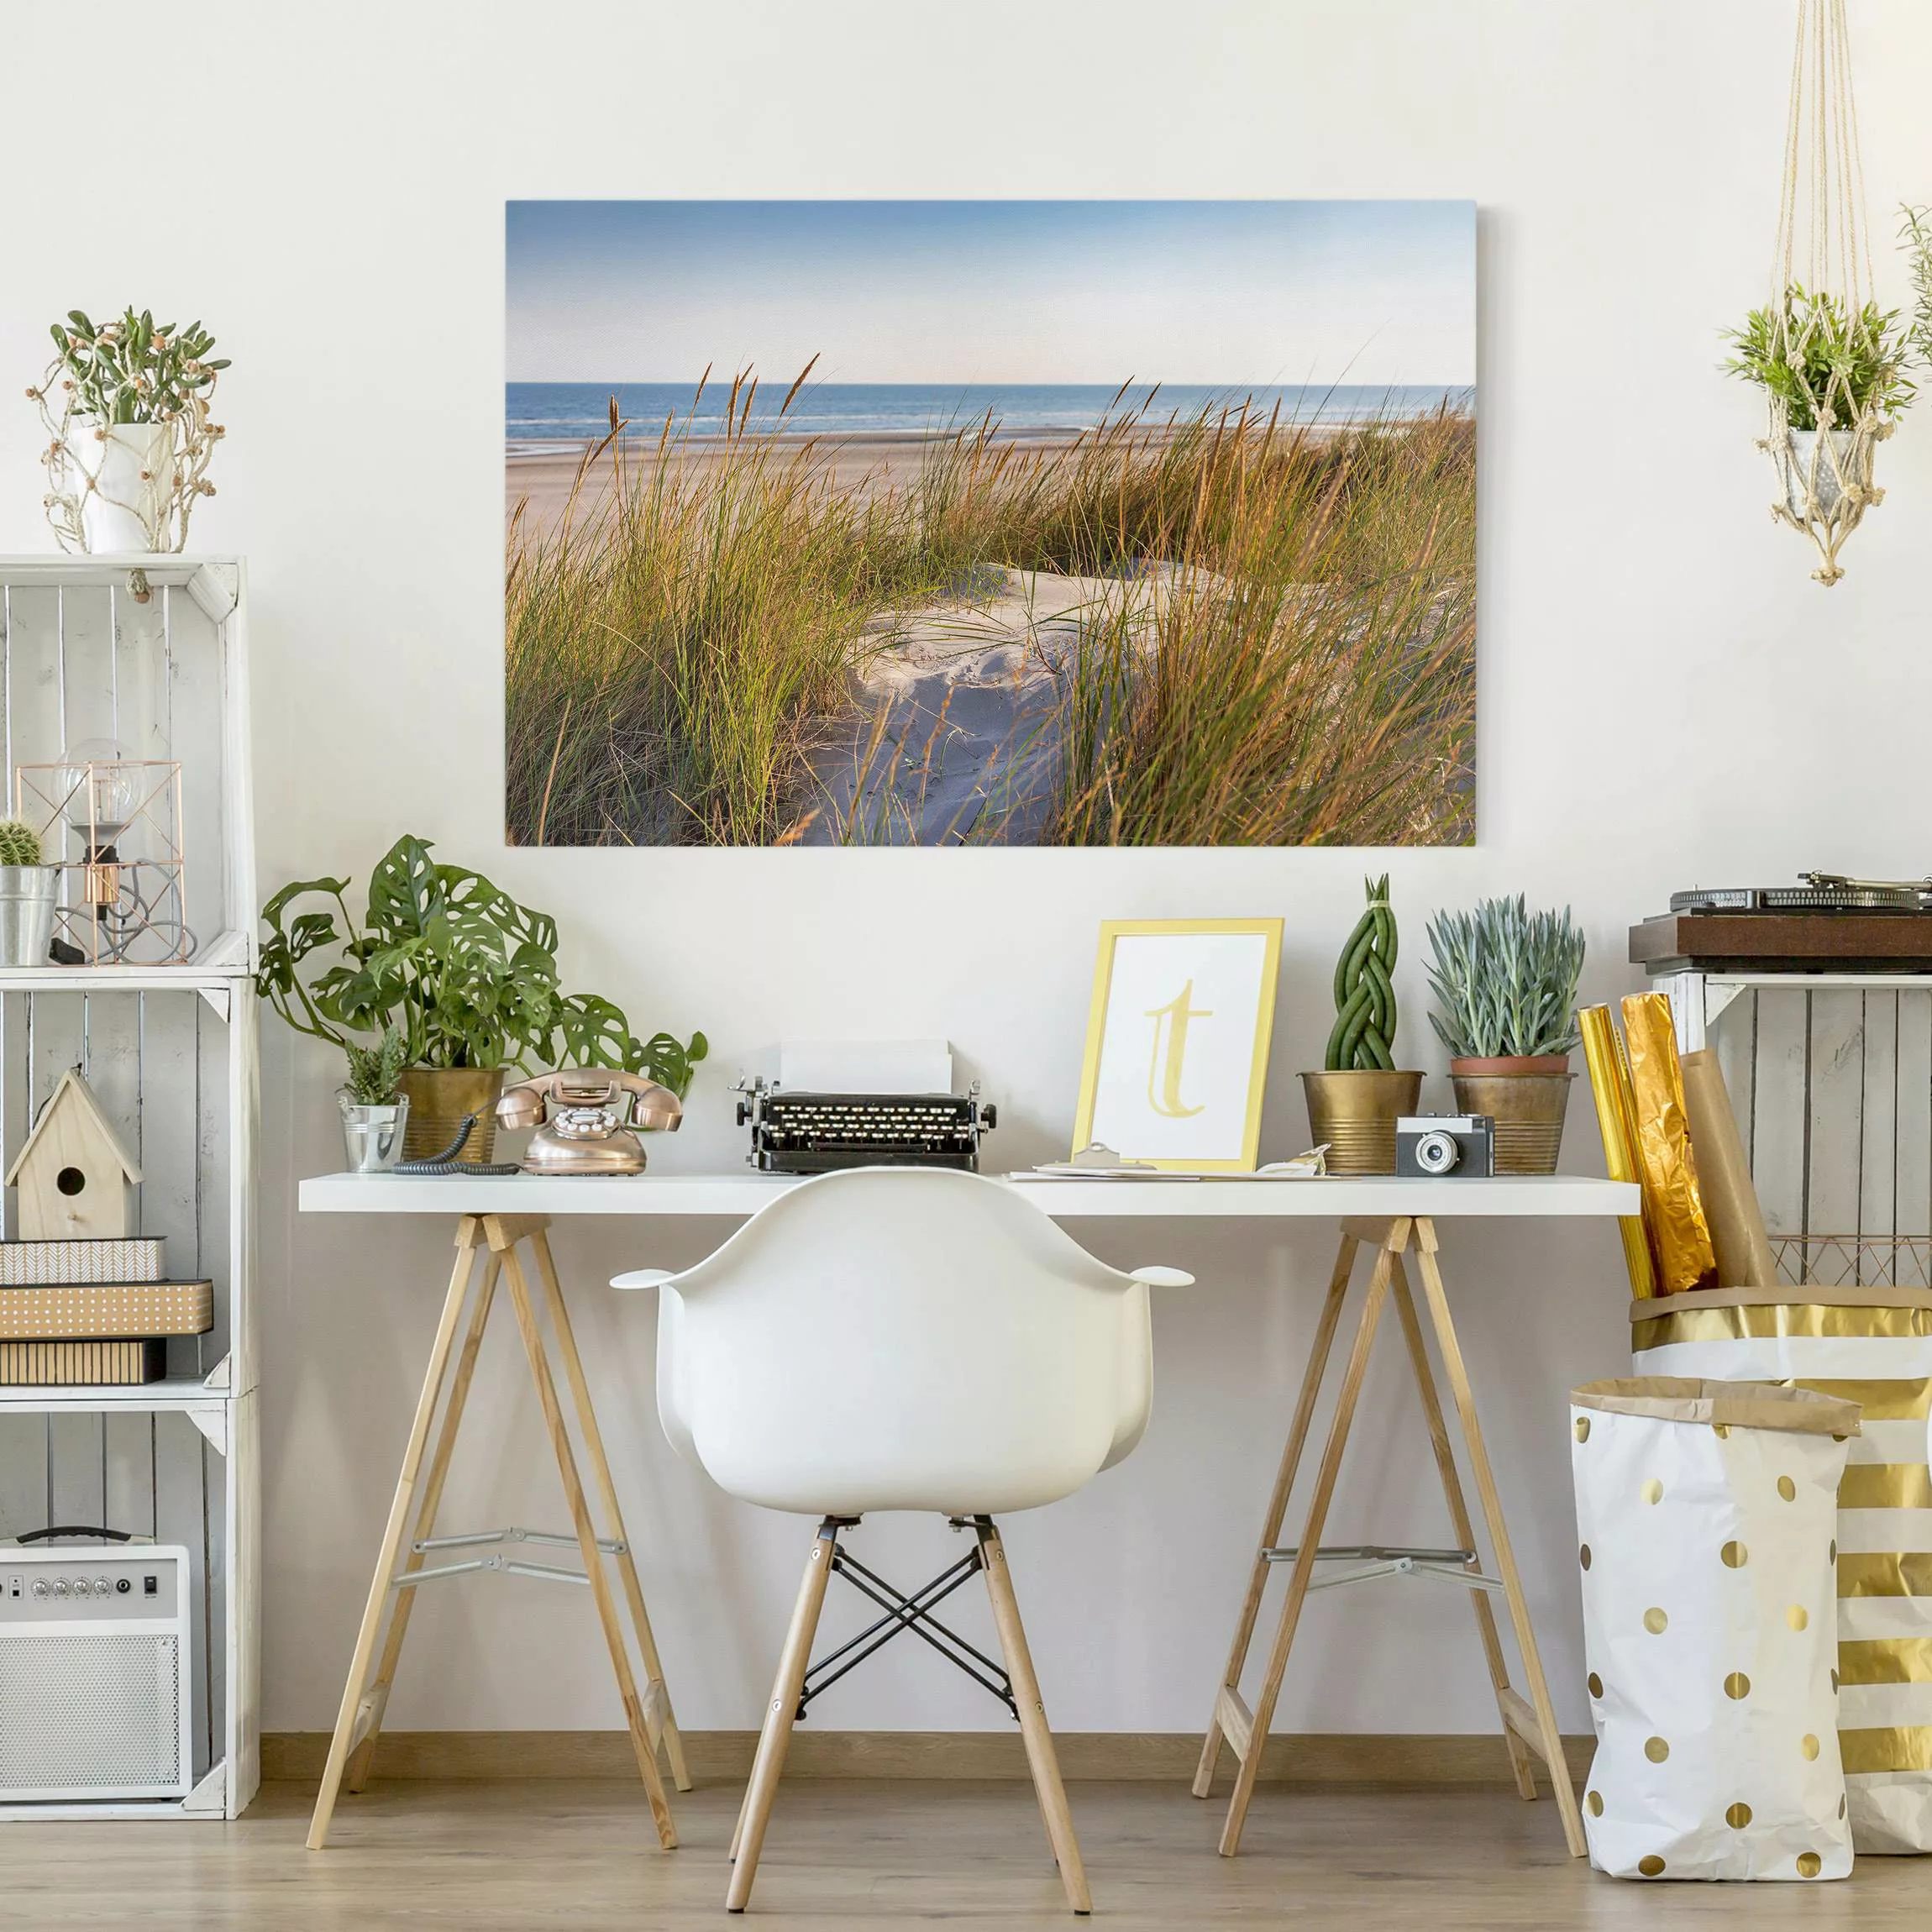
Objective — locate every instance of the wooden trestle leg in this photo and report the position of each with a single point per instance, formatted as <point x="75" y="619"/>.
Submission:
<point x="1529" y="1724"/>
<point x="418" y="1496"/>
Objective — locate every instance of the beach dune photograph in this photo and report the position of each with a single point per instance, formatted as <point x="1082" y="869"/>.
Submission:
<point x="990" y="523"/>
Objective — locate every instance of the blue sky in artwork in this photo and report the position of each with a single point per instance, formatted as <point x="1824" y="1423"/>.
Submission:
<point x="1007" y="292"/>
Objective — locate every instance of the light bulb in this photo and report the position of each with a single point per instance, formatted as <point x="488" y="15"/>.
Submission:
<point x="100" y="788"/>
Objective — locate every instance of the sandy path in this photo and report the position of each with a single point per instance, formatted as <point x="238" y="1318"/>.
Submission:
<point x="955" y="724"/>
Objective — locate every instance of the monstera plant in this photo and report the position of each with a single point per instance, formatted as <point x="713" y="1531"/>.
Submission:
<point x="467" y="974"/>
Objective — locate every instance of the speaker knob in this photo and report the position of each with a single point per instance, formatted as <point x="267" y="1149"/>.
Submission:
<point x="60" y="1586"/>
<point x="100" y="1586"/>
<point x="39" y="1586"/>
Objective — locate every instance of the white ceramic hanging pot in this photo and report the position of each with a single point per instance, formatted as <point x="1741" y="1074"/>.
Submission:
<point x="1848" y="456"/>
<point x="123" y="474"/>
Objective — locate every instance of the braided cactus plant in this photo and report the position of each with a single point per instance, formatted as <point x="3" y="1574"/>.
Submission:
<point x="19" y="843"/>
<point x="1364" y="1035"/>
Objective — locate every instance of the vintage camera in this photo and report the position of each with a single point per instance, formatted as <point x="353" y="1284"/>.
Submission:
<point x="1430" y="1146"/>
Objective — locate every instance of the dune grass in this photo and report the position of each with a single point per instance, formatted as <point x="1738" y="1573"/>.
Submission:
<point x="675" y="657"/>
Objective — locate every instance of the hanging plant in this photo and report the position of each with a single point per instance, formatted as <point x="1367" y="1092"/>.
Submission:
<point x="1830" y="362"/>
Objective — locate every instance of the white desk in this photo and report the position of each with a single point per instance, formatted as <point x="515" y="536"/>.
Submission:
<point x="1396" y="1219"/>
<point x="739" y="1195"/>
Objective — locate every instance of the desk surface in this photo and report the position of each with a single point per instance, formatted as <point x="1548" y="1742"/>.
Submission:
<point x="738" y="1195"/>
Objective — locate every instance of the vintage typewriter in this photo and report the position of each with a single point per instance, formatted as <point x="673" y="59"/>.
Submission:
<point x="797" y="1132"/>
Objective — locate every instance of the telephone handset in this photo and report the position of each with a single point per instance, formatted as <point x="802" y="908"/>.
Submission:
<point x="586" y="1118"/>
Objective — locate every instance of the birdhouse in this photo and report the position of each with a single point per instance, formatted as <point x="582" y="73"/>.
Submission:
<point x="76" y="1178"/>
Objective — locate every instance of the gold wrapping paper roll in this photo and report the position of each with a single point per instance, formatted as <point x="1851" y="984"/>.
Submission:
<point x="1673" y="1200"/>
<point x="1744" y="1257"/>
<point x="1610" y="1089"/>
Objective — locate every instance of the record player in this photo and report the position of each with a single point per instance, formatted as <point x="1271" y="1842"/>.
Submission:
<point x="1827" y="923"/>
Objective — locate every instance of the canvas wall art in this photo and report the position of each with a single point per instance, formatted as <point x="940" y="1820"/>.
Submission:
<point x="999" y="522"/>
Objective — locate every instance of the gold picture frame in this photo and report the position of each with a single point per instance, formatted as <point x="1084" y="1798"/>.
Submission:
<point x="1199" y="1118"/>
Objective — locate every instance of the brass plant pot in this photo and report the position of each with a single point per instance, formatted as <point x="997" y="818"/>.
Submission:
<point x="1355" y="1113"/>
<point x="1528" y="1109"/>
<point x="438" y="1098"/>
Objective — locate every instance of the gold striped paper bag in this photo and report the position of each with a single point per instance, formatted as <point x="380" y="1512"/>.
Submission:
<point x="1872" y="1346"/>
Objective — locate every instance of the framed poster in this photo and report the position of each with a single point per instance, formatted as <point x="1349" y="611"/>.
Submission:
<point x="1177" y="1041"/>
<point x="990" y="523"/>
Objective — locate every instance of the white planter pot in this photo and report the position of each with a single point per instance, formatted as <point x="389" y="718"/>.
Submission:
<point x="131" y="467"/>
<point x="1833" y="463"/>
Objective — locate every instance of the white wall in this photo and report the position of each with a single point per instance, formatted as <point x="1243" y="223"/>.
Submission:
<point x="1666" y="697"/>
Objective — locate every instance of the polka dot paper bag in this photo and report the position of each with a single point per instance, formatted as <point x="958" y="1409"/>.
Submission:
<point x="1706" y="1513"/>
<point x="1871" y="1345"/>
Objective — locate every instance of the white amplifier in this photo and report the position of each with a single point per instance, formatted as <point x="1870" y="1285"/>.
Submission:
<point x="95" y="1690"/>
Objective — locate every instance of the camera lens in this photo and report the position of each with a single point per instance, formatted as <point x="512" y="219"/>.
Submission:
<point x="1437" y="1153"/>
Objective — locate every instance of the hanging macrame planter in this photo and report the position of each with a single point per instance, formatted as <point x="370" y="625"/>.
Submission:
<point x="1830" y="362"/>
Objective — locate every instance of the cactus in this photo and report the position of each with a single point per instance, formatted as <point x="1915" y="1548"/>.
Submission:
<point x="374" y="1071"/>
<point x="19" y="843"/>
<point x="1364" y="1036"/>
<point x="1505" y="980"/>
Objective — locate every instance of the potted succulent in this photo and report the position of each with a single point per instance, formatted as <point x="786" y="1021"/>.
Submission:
<point x="1505" y="984"/>
<point x="1354" y="1102"/>
<point x="374" y="1109"/>
<point x="28" y="888"/>
<point x="465" y="974"/>
<point x="125" y="405"/>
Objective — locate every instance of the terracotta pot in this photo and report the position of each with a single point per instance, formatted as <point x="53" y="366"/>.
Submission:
<point x="1514" y="1064"/>
<point x="1528" y="1109"/>
<point x="1355" y="1113"/>
<point x="438" y="1098"/>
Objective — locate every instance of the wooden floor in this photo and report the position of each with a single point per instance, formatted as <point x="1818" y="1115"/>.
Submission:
<point x="516" y="1858"/>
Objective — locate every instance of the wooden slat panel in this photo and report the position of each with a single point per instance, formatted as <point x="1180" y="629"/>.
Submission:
<point x="1779" y="1106"/>
<point x="1912" y="1141"/>
<point x="1833" y="1146"/>
<point x="1735" y="1040"/>
<point x="1878" y="1129"/>
<point x="182" y="1511"/>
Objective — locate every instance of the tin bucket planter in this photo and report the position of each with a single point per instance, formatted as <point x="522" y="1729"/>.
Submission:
<point x="1354" y="1113"/>
<point x="372" y="1136"/>
<point x="27" y="897"/>
<point x="1527" y="1096"/>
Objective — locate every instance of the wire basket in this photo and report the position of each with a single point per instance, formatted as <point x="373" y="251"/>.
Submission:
<point x="1853" y="1260"/>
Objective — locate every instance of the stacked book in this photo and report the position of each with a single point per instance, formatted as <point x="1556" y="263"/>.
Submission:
<point x="93" y="1313"/>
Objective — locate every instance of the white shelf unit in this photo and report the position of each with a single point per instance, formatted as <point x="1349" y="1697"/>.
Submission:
<point x="1830" y="1077"/>
<point x="171" y="1050"/>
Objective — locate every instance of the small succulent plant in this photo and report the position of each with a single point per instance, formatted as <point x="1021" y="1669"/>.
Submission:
<point x="1364" y="1038"/>
<point x="374" y="1071"/>
<point x="1505" y="980"/>
<point x="19" y="843"/>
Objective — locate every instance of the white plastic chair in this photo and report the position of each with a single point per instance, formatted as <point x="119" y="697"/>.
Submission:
<point x="891" y="1338"/>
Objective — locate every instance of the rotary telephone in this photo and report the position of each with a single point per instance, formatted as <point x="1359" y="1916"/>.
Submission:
<point x="586" y="1118"/>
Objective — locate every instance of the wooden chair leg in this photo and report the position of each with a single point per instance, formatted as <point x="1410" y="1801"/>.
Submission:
<point x="1521" y="1762"/>
<point x="1230" y="1693"/>
<point x="1304" y="1571"/>
<point x="469" y="1238"/>
<point x="503" y="1240"/>
<point x="364" y="1759"/>
<point x="1041" y="1758"/>
<point x="776" y="1738"/>
<point x="659" y="1719"/>
<point x="1535" y="1723"/>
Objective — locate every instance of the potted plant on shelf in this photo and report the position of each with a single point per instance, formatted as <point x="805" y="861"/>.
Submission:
<point x="125" y="406"/>
<point x="374" y="1109"/>
<point x="1354" y="1103"/>
<point x="28" y="888"/>
<point x="465" y="974"/>
<point x="1505" y="984"/>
